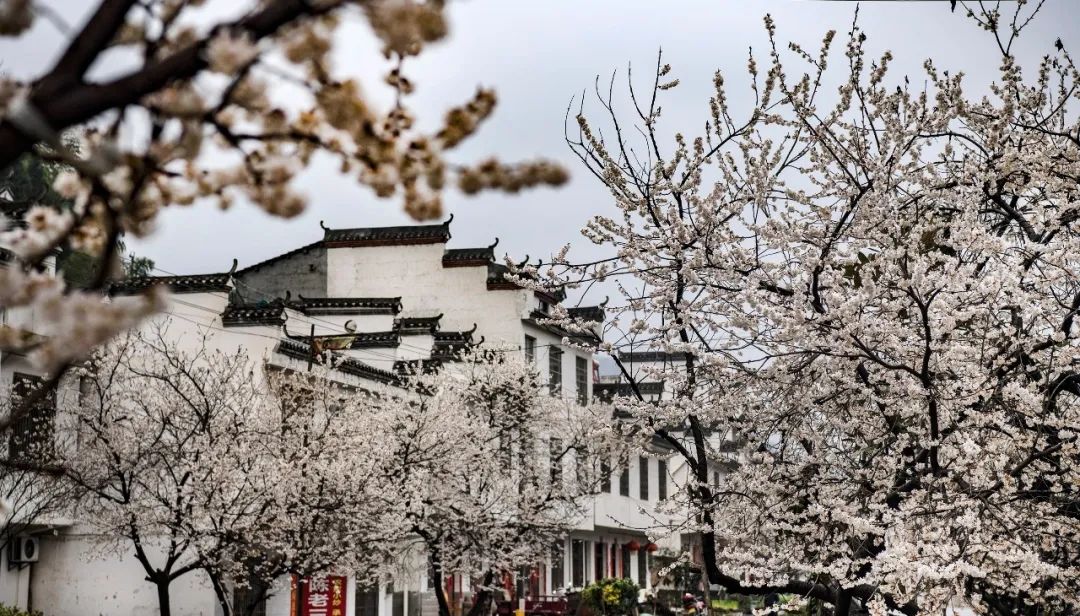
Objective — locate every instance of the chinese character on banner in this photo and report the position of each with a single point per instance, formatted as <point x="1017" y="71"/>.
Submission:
<point x="322" y="596"/>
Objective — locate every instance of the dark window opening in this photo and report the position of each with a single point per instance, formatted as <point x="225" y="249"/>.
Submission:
<point x="661" y="479"/>
<point x="555" y="370"/>
<point x="558" y="580"/>
<point x="581" y="377"/>
<point x="32" y="434"/>
<point x="367" y="600"/>
<point x="599" y="560"/>
<point x="643" y="478"/>
<point x="577" y="563"/>
<point x="530" y="349"/>
<point x="624" y="481"/>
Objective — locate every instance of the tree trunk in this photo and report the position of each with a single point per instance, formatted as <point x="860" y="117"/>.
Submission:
<point x="437" y="573"/>
<point x="164" y="606"/>
<point x="482" y="602"/>
<point x="843" y="603"/>
<point x="222" y="595"/>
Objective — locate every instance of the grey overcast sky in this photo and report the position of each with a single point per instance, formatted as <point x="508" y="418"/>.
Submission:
<point x="538" y="54"/>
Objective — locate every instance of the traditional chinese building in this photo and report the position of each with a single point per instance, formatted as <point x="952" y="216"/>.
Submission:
<point x="384" y="300"/>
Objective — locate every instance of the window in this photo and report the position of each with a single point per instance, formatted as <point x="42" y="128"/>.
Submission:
<point x="577" y="563"/>
<point x="625" y="561"/>
<point x="397" y="601"/>
<point x="599" y="560"/>
<point x="624" y="481"/>
<point x="557" y="578"/>
<point x="32" y="434"/>
<point x="661" y="479"/>
<point x="605" y="476"/>
<point x="367" y="600"/>
<point x="581" y="377"/>
<point x="530" y="349"/>
<point x="247" y="599"/>
<point x="643" y="477"/>
<point x="555" y="370"/>
<point x="642" y="567"/>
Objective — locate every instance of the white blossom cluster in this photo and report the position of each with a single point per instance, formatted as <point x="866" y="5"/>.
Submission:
<point x="875" y="289"/>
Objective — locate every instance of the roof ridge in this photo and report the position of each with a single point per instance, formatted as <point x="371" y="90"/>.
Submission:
<point x="179" y="283"/>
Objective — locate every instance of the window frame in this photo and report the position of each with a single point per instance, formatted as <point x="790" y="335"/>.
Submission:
<point x="530" y="349"/>
<point x="643" y="478"/>
<point x="555" y="356"/>
<point x="581" y="379"/>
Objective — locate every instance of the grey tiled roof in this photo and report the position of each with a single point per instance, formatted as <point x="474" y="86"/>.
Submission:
<point x="375" y="340"/>
<point x="261" y="313"/>
<point x="299" y="350"/>
<point x="385" y="236"/>
<point x="347" y="305"/>
<point x="417" y="325"/>
<point x="587" y="313"/>
<point x="461" y="257"/>
<point x="200" y="283"/>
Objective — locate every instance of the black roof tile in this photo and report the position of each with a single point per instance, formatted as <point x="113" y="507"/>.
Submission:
<point x="587" y="313"/>
<point x="348" y="365"/>
<point x="386" y="236"/>
<point x="199" y="283"/>
<point x="347" y="305"/>
<point x="260" y="313"/>
<point x="417" y="325"/>
<point x="463" y="257"/>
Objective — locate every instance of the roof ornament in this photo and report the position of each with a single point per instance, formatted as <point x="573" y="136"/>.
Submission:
<point x="449" y="220"/>
<point x="288" y="296"/>
<point x="523" y="263"/>
<point x="481" y="341"/>
<point x="603" y="304"/>
<point x="322" y="224"/>
<point x="232" y="270"/>
<point x="470" y="332"/>
<point x="492" y="247"/>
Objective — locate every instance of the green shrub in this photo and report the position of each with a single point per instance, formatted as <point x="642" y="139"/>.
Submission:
<point x="610" y="596"/>
<point x="14" y="611"/>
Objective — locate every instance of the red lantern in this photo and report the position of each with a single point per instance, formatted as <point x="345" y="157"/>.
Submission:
<point x="651" y="547"/>
<point x="633" y="545"/>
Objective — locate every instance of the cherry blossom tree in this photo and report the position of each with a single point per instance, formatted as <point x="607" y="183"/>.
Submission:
<point x="217" y="102"/>
<point x="198" y="460"/>
<point x="491" y="469"/>
<point x="867" y="290"/>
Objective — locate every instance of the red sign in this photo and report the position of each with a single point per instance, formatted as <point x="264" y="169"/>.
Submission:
<point x="322" y="596"/>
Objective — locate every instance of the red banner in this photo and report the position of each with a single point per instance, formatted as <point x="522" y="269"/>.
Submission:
<point x="322" y="596"/>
